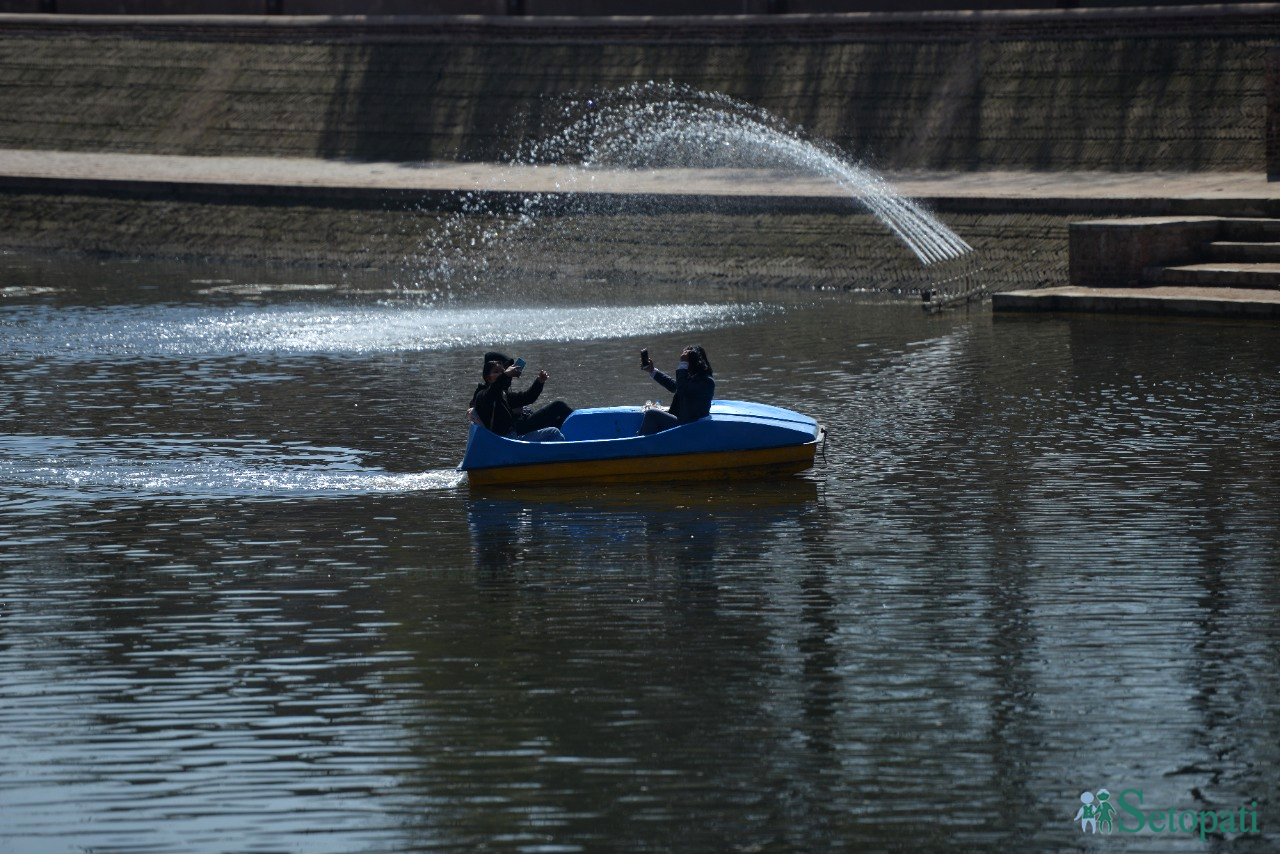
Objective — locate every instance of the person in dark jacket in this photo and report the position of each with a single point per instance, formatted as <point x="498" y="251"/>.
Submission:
<point x="508" y="413"/>
<point x="694" y="388"/>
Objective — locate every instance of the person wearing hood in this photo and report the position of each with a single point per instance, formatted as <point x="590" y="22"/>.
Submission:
<point x="508" y="413"/>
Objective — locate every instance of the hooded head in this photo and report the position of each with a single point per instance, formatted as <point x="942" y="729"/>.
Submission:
<point x="501" y="358"/>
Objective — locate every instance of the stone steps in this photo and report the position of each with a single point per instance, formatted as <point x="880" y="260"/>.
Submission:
<point x="1245" y="255"/>
<point x="1203" y="252"/>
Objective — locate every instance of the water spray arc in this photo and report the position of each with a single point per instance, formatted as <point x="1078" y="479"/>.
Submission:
<point x="589" y="162"/>
<point x="651" y="126"/>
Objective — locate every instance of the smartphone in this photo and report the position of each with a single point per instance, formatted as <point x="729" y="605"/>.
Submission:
<point x="644" y="358"/>
<point x="519" y="364"/>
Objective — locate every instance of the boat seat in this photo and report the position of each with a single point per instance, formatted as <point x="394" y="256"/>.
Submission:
<point x="604" y="423"/>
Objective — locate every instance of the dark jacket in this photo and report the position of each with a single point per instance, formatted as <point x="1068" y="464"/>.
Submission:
<point x="693" y="394"/>
<point x="499" y="408"/>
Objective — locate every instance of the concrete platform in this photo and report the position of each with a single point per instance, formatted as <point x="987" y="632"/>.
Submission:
<point x="1086" y="193"/>
<point x="1170" y="301"/>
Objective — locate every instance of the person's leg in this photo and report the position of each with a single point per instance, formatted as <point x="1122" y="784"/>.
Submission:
<point x="551" y="415"/>
<point x="656" y="420"/>
<point x="543" y="434"/>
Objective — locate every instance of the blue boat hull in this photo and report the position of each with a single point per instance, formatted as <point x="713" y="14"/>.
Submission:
<point x="737" y="439"/>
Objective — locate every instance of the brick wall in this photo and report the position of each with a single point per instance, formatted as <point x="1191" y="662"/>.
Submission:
<point x="1179" y="90"/>
<point x="1271" y="132"/>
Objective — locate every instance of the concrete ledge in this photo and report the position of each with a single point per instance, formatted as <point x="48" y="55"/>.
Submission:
<point x="492" y="201"/>
<point x="438" y="184"/>
<point x="1232" y="20"/>
<point x="1167" y="301"/>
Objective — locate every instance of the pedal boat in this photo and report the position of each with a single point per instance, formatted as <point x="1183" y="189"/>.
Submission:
<point x="738" y="439"/>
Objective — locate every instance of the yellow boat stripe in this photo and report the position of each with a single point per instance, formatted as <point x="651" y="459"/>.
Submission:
<point x="719" y="464"/>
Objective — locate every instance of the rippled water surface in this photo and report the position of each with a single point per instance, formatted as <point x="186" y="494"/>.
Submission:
<point x="247" y="603"/>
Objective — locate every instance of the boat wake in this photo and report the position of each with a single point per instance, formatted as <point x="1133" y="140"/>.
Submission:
<point x="39" y="471"/>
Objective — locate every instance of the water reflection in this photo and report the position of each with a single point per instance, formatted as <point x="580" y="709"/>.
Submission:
<point x="180" y="705"/>
<point x="629" y="527"/>
<point x="549" y="690"/>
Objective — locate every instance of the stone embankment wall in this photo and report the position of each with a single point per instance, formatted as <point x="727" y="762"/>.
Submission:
<point x="1092" y="90"/>
<point x="1156" y="89"/>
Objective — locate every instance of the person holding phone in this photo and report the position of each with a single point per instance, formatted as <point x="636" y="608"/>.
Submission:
<point x="508" y="413"/>
<point x="694" y="388"/>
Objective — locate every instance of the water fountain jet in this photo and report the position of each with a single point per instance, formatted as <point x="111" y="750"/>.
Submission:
<point x="652" y="126"/>
<point x="636" y="144"/>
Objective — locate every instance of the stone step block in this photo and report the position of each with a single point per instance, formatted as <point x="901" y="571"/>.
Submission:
<point x="1250" y="230"/>
<point x="1263" y="276"/>
<point x="1243" y="252"/>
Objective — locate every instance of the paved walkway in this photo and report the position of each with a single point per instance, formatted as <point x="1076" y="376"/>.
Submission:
<point x="1141" y="192"/>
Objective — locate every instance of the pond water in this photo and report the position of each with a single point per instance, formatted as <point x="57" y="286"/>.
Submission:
<point x="247" y="603"/>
